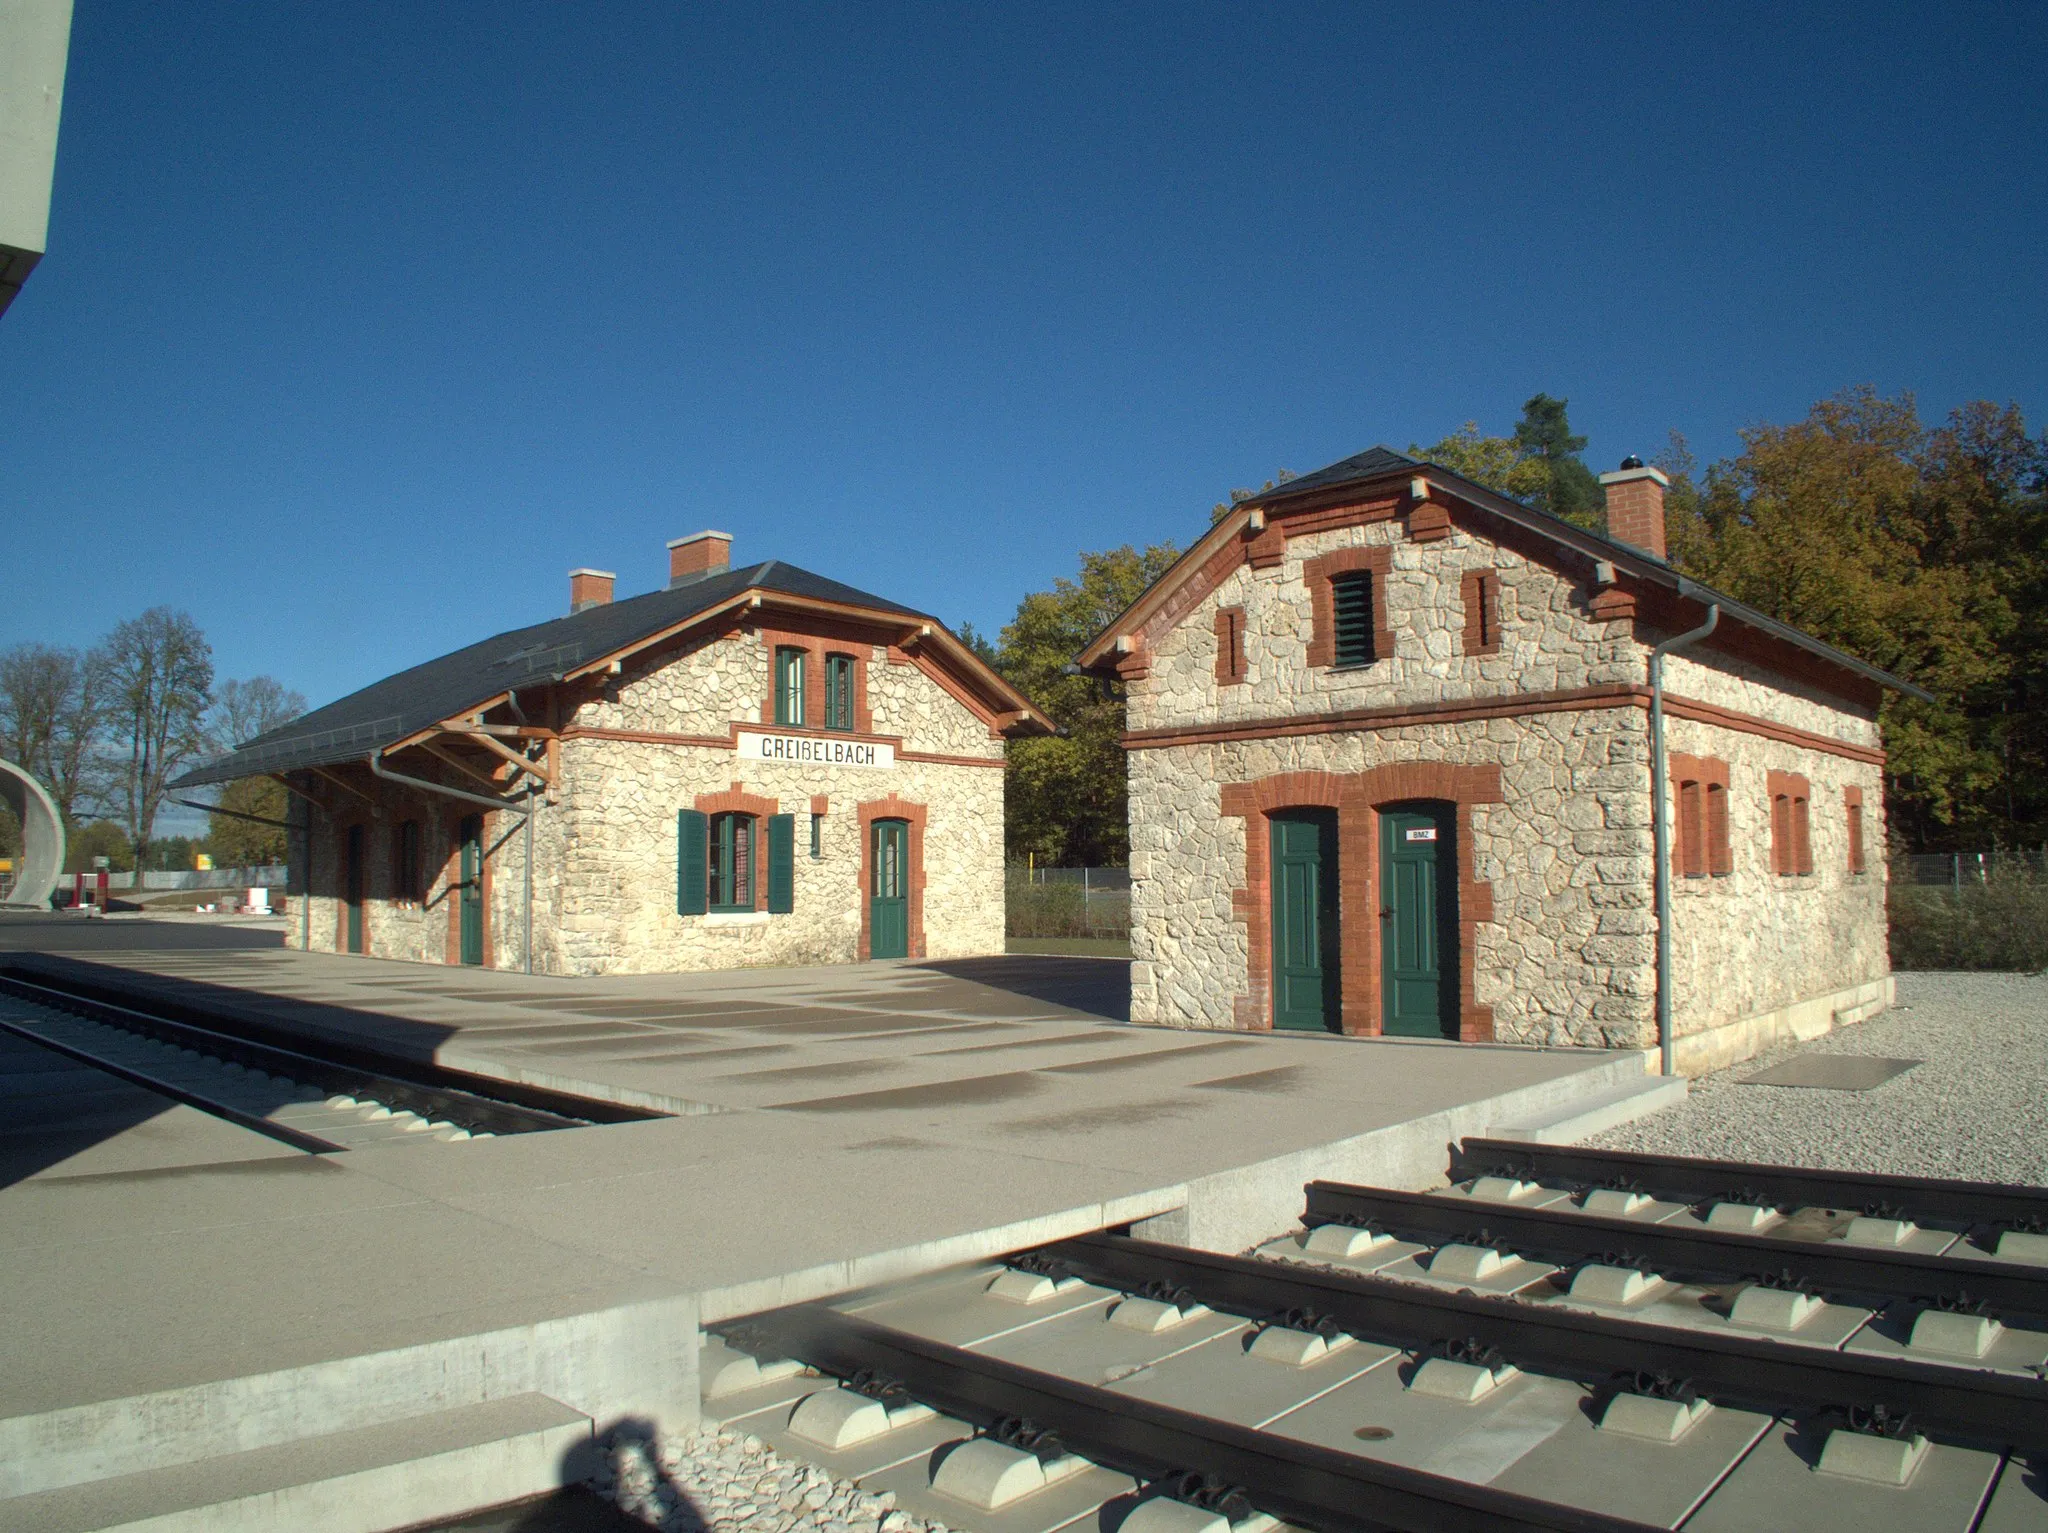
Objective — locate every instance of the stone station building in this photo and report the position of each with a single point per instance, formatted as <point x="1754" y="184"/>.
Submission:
<point x="751" y="766"/>
<point x="1389" y="737"/>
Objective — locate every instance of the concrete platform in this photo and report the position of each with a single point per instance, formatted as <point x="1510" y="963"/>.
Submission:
<point x="836" y="1128"/>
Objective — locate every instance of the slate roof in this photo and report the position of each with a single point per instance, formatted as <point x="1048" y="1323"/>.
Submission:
<point x="416" y="699"/>
<point x="1370" y="464"/>
<point x="1382" y="462"/>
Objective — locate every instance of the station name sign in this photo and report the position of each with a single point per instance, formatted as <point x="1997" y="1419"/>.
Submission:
<point x="809" y="750"/>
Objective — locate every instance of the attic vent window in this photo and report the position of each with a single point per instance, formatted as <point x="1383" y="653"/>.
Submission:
<point x="1351" y="605"/>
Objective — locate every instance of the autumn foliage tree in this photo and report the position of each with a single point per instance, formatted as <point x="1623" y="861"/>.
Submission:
<point x="1922" y="551"/>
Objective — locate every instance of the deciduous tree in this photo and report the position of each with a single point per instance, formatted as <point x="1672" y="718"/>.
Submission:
<point x="159" y="669"/>
<point x="1065" y="795"/>
<point x="1921" y="552"/>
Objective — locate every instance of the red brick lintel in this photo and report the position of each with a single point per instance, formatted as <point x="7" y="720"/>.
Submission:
<point x="1571" y="700"/>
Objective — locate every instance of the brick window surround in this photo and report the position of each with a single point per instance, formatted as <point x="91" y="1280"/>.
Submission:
<point x="1480" y="592"/>
<point x="1317" y="574"/>
<point x="1852" y="806"/>
<point x="1230" y="662"/>
<point x="893" y="808"/>
<point x="1791" y="825"/>
<point x="1699" y="822"/>
<point x="816" y="648"/>
<point x="1358" y="799"/>
<point x="736" y="800"/>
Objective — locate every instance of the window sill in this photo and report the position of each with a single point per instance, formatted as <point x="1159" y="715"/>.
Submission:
<point x="1351" y="667"/>
<point x="736" y="918"/>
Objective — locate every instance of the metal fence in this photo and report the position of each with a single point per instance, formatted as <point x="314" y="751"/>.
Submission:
<point x="212" y="878"/>
<point x="1069" y="902"/>
<point x="1958" y="870"/>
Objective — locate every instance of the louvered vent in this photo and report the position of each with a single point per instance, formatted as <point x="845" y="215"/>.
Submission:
<point x="1351" y="595"/>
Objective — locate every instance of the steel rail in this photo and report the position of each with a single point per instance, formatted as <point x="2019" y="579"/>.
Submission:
<point x="298" y="1139"/>
<point x="1297" y="1481"/>
<point x="1684" y="1253"/>
<point x="462" y="1108"/>
<point x="1929" y="1199"/>
<point x="1594" y="1349"/>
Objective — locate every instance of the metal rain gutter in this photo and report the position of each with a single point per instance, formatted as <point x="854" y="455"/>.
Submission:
<point x="1660" y="826"/>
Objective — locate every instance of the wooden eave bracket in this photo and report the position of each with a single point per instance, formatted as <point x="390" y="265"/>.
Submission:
<point x="514" y="758"/>
<point x="449" y="759"/>
<point x="328" y="776"/>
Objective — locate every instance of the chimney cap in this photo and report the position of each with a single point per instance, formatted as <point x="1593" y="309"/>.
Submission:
<point x="600" y="574"/>
<point x="1631" y="461"/>
<point x="1626" y="475"/>
<point x="698" y="537"/>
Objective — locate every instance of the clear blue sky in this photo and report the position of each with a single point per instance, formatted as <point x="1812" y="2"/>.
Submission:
<point x="361" y="325"/>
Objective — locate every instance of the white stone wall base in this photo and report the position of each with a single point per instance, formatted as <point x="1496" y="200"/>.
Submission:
<point x="1716" y="1048"/>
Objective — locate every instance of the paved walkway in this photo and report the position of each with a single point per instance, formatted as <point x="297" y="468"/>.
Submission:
<point x="835" y="1127"/>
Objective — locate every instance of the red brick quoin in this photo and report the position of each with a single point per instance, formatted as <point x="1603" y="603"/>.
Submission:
<point x="1358" y="798"/>
<point x="893" y="808"/>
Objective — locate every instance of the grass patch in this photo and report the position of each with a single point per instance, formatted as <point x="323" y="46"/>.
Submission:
<point x="1071" y="947"/>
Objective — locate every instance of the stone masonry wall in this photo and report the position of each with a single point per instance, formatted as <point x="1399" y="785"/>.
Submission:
<point x="604" y="890"/>
<point x="1547" y="640"/>
<point x="1568" y="957"/>
<point x="1751" y="940"/>
<point x="617" y="861"/>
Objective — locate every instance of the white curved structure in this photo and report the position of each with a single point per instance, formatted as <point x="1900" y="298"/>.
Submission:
<point x="42" y="839"/>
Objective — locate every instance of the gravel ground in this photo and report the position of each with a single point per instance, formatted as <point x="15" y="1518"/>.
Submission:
<point x="1974" y="1109"/>
<point x="723" y="1480"/>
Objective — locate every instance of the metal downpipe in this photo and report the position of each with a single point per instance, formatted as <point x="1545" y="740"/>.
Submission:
<point x="1660" y="827"/>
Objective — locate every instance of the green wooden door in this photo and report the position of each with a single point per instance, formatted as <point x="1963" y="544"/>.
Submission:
<point x="352" y="887"/>
<point x="889" y="890"/>
<point x="470" y="900"/>
<point x="1305" y="931"/>
<point x="1419" y="940"/>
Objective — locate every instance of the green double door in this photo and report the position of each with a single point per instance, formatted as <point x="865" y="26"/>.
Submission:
<point x="1418" y="934"/>
<point x="1305" y="920"/>
<point x="1418" y="931"/>
<point x="469" y="902"/>
<point x="889" y="890"/>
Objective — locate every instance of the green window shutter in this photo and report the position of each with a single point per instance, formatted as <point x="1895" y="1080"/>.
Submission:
<point x="781" y="864"/>
<point x="689" y="863"/>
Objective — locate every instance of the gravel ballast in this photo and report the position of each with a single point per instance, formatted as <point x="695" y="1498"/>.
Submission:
<point x="725" y="1481"/>
<point x="1975" y="1107"/>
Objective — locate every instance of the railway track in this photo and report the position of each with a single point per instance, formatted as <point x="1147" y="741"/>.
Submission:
<point x="305" y="1099"/>
<point x="1109" y="1378"/>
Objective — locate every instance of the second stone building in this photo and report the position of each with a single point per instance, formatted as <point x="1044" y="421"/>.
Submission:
<point x="1390" y="745"/>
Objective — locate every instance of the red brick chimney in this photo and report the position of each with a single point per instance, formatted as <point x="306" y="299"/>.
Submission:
<point x="698" y="555"/>
<point x="1635" y="506"/>
<point x="589" y="588"/>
